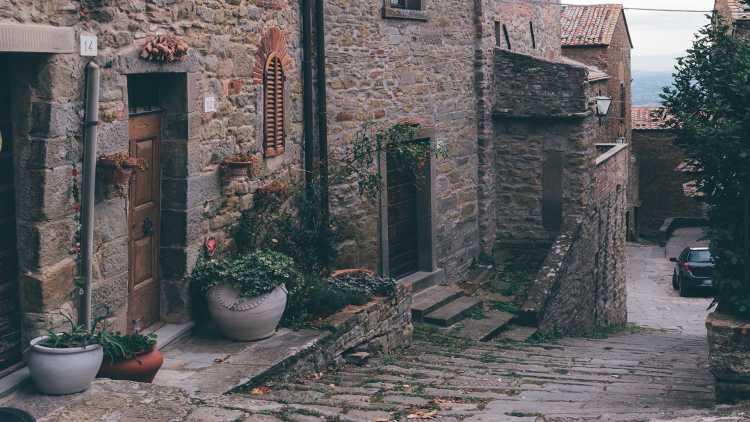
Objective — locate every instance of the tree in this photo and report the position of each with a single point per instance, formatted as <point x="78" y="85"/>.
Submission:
<point x="709" y="102"/>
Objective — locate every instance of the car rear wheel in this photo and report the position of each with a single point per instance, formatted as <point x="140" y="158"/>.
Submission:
<point x="675" y="285"/>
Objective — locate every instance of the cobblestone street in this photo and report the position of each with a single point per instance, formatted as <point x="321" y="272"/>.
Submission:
<point x="658" y="372"/>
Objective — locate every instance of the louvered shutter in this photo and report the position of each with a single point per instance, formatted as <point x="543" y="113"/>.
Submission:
<point x="273" y="113"/>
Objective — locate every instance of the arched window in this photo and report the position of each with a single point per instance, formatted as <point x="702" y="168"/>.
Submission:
<point x="273" y="107"/>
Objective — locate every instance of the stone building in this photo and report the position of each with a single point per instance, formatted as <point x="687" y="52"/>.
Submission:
<point x="736" y="14"/>
<point x="662" y="180"/>
<point x="486" y="79"/>
<point x="598" y="35"/>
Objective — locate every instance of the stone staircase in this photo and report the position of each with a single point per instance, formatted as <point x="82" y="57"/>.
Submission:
<point x="470" y="310"/>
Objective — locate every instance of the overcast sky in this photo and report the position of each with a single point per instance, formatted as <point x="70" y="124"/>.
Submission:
<point x="659" y="37"/>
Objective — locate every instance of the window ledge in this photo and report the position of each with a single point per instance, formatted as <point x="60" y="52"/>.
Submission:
<point x="406" y="14"/>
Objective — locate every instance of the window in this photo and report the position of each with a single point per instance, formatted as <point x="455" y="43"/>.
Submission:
<point x="404" y="9"/>
<point x="622" y="99"/>
<point x="498" y="35"/>
<point x="406" y="4"/>
<point x="273" y="107"/>
<point x="533" y="37"/>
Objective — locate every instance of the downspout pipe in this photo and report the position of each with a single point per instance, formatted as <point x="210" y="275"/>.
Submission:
<point x="307" y="100"/>
<point x="87" y="192"/>
<point x="320" y="65"/>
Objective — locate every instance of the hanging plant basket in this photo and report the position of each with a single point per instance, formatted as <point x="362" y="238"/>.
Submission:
<point x="119" y="168"/>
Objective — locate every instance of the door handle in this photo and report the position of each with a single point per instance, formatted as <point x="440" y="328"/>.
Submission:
<point x="148" y="226"/>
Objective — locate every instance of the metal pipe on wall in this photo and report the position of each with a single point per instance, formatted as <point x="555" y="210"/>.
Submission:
<point x="87" y="191"/>
<point x="307" y="99"/>
<point x="320" y="42"/>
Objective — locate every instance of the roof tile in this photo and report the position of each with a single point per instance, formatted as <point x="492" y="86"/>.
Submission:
<point x="589" y="25"/>
<point x="648" y="118"/>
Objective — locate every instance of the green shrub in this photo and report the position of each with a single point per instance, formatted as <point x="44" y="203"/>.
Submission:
<point x="118" y="347"/>
<point x="252" y="274"/>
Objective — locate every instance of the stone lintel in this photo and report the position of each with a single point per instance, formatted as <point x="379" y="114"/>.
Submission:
<point x="36" y="39"/>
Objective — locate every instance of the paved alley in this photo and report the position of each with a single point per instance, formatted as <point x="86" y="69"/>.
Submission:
<point x="652" y="373"/>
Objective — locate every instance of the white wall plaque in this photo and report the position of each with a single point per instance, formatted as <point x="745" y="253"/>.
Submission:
<point x="88" y="45"/>
<point x="209" y="105"/>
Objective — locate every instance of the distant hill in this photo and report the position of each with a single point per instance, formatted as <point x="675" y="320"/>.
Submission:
<point x="647" y="85"/>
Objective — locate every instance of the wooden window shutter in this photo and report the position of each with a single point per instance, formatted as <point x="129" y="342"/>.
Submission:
<point x="273" y="107"/>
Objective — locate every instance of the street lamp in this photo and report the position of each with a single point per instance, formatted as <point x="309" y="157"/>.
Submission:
<point x="602" y="105"/>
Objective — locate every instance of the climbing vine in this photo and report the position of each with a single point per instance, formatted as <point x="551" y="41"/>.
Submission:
<point x="360" y="159"/>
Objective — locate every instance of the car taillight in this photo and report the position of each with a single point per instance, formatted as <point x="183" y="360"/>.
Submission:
<point x="686" y="267"/>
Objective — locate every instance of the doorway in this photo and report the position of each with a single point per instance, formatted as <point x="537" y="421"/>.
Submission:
<point x="408" y="208"/>
<point x="10" y="327"/>
<point x="144" y="210"/>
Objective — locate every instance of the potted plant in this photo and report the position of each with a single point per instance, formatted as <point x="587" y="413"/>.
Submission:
<point x="118" y="168"/>
<point x="132" y="357"/>
<point x="247" y="294"/>
<point x="65" y="363"/>
<point x="239" y="165"/>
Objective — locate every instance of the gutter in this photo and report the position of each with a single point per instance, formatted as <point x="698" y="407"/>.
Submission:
<point x="87" y="192"/>
<point x="307" y="99"/>
<point x="320" y="64"/>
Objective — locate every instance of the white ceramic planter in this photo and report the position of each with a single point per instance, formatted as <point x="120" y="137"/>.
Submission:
<point x="63" y="371"/>
<point x="246" y="319"/>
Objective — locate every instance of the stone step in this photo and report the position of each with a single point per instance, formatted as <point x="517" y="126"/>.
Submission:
<point x="518" y="333"/>
<point x="430" y="299"/>
<point x="452" y="312"/>
<point x="485" y="328"/>
<point x="422" y="280"/>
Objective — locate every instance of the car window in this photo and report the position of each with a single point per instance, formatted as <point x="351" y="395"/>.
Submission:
<point x="700" y="256"/>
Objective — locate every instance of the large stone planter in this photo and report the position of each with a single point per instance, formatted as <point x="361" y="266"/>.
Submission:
<point x="729" y="356"/>
<point x="246" y="319"/>
<point x="63" y="371"/>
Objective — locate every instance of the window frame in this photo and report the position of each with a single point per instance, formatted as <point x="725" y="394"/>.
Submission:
<point x="395" y="12"/>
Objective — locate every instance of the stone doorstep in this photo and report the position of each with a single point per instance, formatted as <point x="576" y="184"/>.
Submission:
<point x="432" y="298"/>
<point x="452" y="312"/>
<point x="483" y="329"/>
<point x="166" y="334"/>
<point x="207" y="363"/>
<point x="422" y="280"/>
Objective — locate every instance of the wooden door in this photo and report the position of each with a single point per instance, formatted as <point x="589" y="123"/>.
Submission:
<point x="403" y="252"/>
<point x="143" y="217"/>
<point x="10" y="326"/>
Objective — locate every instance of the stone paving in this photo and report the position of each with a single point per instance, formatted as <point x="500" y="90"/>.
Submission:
<point x="641" y="374"/>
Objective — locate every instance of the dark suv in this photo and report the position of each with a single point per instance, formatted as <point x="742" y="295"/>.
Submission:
<point x="693" y="271"/>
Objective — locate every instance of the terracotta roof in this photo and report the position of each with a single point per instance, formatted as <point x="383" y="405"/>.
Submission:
<point x="590" y="25"/>
<point x="648" y="118"/>
<point x="740" y="11"/>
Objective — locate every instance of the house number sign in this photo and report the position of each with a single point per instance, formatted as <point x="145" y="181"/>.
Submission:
<point x="88" y="45"/>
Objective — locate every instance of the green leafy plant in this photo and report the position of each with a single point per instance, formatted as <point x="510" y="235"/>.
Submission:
<point x="253" y="274"/>
<point x="78" y="336"/>
<point x="708" y="106"/>
<point x="118" y="347"/>
<point x="359" y="159"/>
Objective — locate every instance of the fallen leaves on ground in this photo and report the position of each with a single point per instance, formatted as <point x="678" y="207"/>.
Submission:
<point x="260" y="391"/>
<point x="422" y="414"/>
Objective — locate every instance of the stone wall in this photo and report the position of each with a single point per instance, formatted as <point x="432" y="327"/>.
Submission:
<point x="517" y="16"/>
<point x="389" y="70"/>
<point x="661" y="182"/>
<point x="581" y="285"/>
<point x="223" y="38"/>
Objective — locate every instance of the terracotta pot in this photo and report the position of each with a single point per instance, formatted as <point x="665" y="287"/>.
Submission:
<point x="141" y="368"/>
<point x="237" y="169"/>
<point x="729" y="356"/>
<point x="345" y="272"/>
<point x="246" y="319"/>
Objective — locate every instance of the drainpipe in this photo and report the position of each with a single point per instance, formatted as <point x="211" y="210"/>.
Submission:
<point x="87" y="191"/>
<point x="320" y="42"/>
<point x="307" y="99"/>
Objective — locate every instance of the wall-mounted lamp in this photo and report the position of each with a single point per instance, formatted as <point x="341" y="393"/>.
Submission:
<point x="602" y="105"/>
